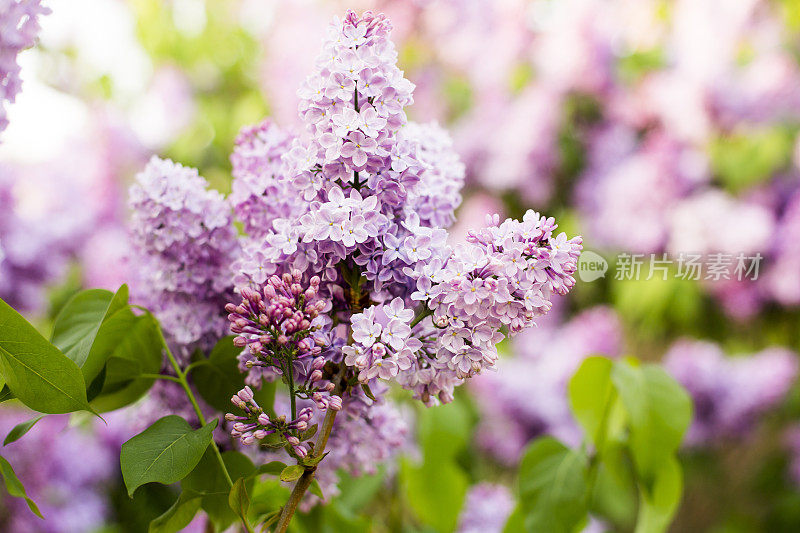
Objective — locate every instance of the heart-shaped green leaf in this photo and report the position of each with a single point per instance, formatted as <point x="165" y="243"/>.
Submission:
<point x="166" y="452"/>
<point x="35" y="371"/>
<point x="79" y="322"/>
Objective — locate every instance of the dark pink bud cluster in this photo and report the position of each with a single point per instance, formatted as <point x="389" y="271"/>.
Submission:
<point x="277" y="325"/>
<point x="256" y="425"/>
<point x="278" y="317"/>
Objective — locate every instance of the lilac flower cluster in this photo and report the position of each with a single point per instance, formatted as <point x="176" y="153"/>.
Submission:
<point x="486" y="509"/>
<point x="729" y="393"/>
<point x="19" y="24"/>
<point x="503" y="277"/>
<point x="353" y="107"/>
<point x="280" y="332"/>
<point x="382" y="341"/>
<point x="183" y="246"/>
<point x="371" y="197"/>
<point x="438" y="192"/>
<point x="256" y="425"/>
<point x="259" y="193"/>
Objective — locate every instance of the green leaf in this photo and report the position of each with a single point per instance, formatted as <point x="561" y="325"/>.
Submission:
<point x="208" y="481"/>
<point x="590" y="390"/>
<point x="516" y="521"/>
<point x="316" y="490"/>
<point x="657" y="507"/>
<point x="356" y="492"/>
<point x="6" y="394"/>
<point x="292" y="473"/>
<point x="273" y="467"/>
<point x="314" y="460"/>
<point x="36" y="372"/>
<point x="435" y="492"/>
<point x="267" y="495"/>
<point x="20" y="429"/>
<point x="165" y="452"/>
<point x="239" y="500"/>
<point x="659" y="410"/>
<point x="553" y="487"/>
<point x="437" y="488"/>
<point x="178" y="516"/>
<point x="615" y="491"/>
<point x="309" y="432"/>
<point x="444" y="431"/>
<point x="14" y="486"/>
<point x="367" y="391"/>
<point x="743" y="160"/>
<point x="79" y="322"/>
<point x="132" y="346"/>
<point x="217" y="377"/>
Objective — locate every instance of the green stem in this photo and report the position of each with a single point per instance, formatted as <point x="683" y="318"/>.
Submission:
<point x="160" y="376"/>
<point x="421" y="314"/>
<point x="292" y="394"/>
<point x="185" y="384"/>
<point x="302" y="485"/>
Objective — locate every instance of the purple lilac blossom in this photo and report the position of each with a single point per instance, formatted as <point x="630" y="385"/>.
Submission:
<point x="438" y="194"/>
<point x="184" y="244"/>
<point x="19" y="25"/>
<point x="486" y="509"/>
<point x="67" y="471"/>
<point x="729" y="393"/>
<point x="513" y="411"/>
<point x="371" y="192"/>
<point x="259" y="193"/>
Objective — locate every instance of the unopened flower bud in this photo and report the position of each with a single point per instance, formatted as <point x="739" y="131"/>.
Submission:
<point x="335" y="403"/>
<point x="300" y="451"/>
<point x="246" y="394"/>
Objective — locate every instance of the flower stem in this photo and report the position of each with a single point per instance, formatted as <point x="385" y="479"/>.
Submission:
<point x="160" y="376"/>
<point x="185" y="384"/>
<point x="304" y="482"/>
<point x="421" y="314"/>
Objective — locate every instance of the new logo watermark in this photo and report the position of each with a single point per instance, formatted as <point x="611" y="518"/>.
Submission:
<point x="688" y="266"/>
<point x="591" y="266"/>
